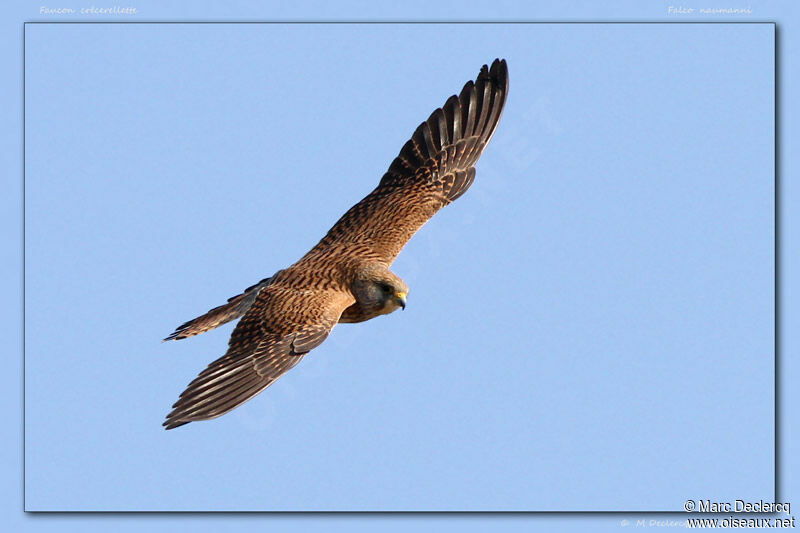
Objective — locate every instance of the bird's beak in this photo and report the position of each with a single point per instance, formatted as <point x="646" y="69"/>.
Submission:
<point x="401" y="299"/>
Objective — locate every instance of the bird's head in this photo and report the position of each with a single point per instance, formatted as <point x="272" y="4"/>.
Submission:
<point x="378" y="291"/>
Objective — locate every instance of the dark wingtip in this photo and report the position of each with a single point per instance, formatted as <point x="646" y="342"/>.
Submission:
<point x="497" y="73"/>
<point x="172" y="424"/>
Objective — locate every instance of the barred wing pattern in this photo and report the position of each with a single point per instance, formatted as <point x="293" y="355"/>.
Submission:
<point x="276" y="332"/>
<point x="433" y="169"/>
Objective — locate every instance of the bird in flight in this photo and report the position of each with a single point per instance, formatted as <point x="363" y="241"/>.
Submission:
<point x="345" y="278"/>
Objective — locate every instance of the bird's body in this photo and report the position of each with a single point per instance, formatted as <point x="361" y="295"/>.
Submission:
<point x="345" y="278"/>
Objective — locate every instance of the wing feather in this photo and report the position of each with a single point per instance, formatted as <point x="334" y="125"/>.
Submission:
<point x="281" y="326"/>
<point x="435" y="167"/>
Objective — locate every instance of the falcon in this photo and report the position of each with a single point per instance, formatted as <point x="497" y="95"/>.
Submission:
<point x="345" y="278"/>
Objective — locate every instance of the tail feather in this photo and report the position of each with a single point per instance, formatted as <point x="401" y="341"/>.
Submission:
<point x="235" y="308"/>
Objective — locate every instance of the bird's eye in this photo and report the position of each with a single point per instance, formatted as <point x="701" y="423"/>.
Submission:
<point x="387" y="289"/>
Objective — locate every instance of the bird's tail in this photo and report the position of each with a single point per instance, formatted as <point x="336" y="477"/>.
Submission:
<point x="235" y="308"/>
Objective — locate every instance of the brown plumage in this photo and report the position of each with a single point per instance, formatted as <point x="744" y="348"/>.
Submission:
<point x="345" y="277"/>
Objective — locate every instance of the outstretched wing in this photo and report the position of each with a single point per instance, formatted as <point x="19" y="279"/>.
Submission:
<point x="281" y="326"/>
<point x="434" y="168"/>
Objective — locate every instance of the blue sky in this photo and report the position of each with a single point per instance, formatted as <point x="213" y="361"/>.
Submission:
<point x="617" y="243"/>
<point x="614" y="254"/>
